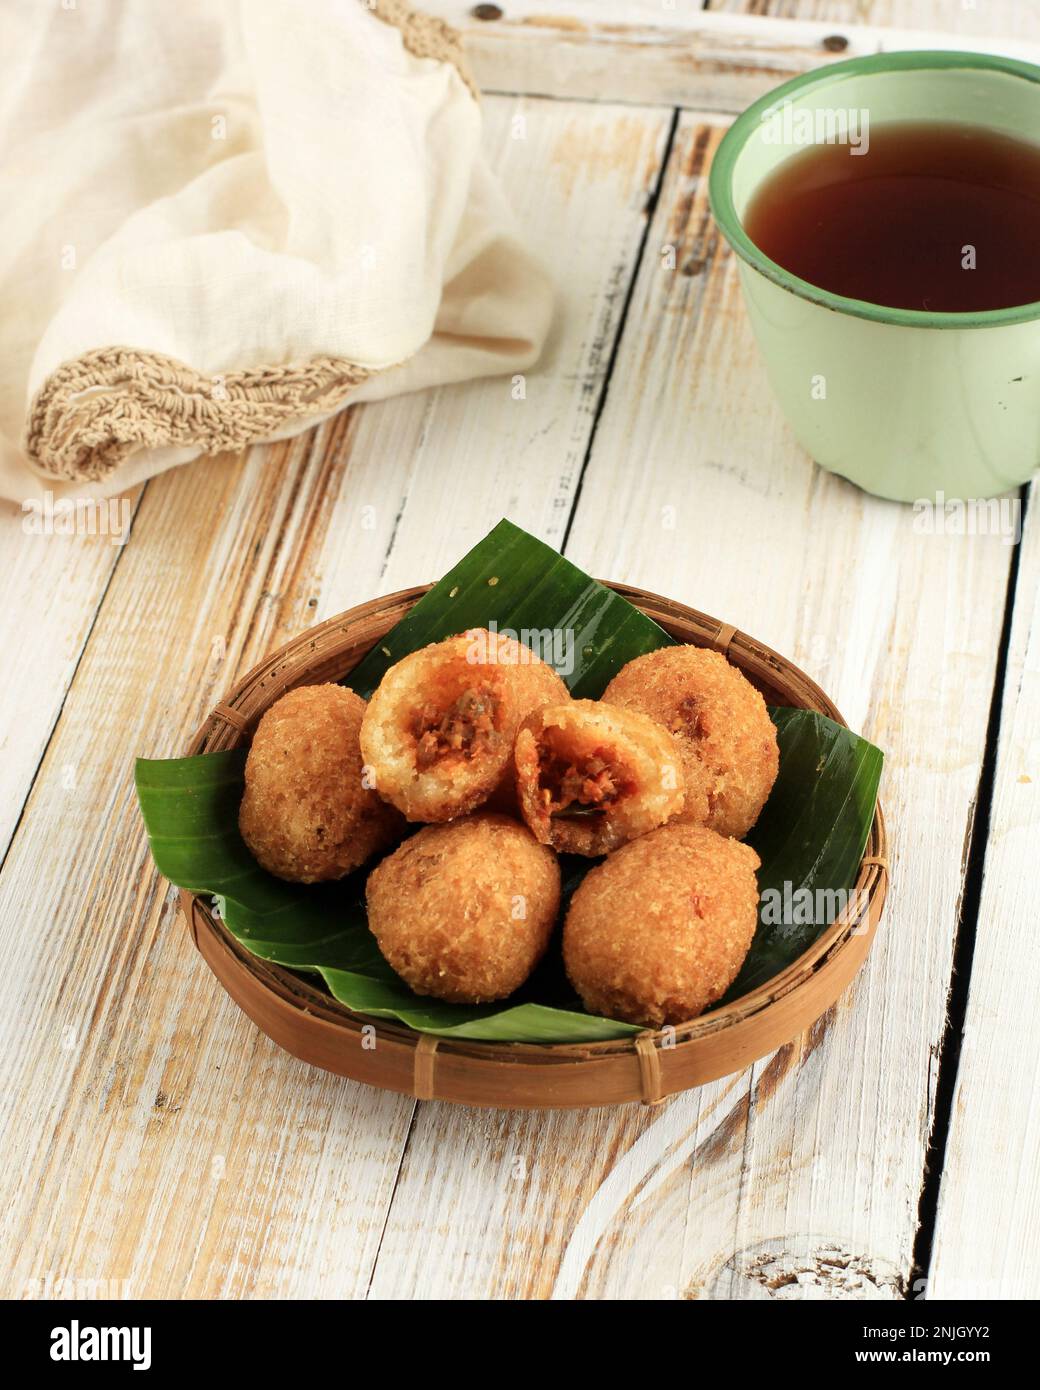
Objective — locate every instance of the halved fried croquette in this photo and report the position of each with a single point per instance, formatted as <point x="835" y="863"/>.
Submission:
<point x="438" y="733"/>
<point x="307" y="814"/>
<point x="465" y="911"/>
<point x="659" y="931"/>
<point x="726" y="739"/>
<point x="591" y="776"/>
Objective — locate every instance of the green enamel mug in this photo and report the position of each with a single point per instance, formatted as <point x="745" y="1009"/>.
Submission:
<point x="905" y="403"/>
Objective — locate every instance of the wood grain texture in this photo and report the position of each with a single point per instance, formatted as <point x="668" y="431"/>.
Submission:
<point x="638" y="51"/>
<point x="681" y="55"/>
<point x="153" y="1135"/>
<point x="987" y="1241"/>
<point x="801" y="1177"/>
<point x="53" y="584"/>
<point x="580" y="178"/>
<point x="961" y="18"/>
<point x="142" y="1107"/>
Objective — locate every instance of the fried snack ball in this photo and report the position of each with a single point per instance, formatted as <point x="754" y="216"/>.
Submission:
<point x="307" y="814"/>
<point x="659" y="931"/>
<point x="438" y="733"/>
<point x="591" y="776"/>
<point x="464" y="911"/>
<point x="727" y="742"/>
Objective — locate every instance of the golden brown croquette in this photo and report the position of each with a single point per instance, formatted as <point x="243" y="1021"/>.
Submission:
<point x="464" y="911"/>
<point x="658" y="932"/>
<point x="726" y="739"/>
<point x="307" y="814"/>
<point x="438" y="733"/>
<point x="590" y="776"/>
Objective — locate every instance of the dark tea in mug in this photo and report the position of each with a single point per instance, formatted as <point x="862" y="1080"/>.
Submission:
<point x="933" y="216"/>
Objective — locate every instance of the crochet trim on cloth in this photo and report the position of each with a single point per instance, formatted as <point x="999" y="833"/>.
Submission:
<point x="96" y="410"/>
<point x="425" y="36"/>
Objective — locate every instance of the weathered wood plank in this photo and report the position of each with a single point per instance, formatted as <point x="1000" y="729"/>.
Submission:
<point x="987" y="1234"/>
<point x="637" y="50"/>
<point x="582" y="178"/>
<point x="147" y="1123"/>
<point x="53" y="584"/>
<point x="801" y="1177"/>
<point x="153" y="1134"/>
<point x="959" y="18"/>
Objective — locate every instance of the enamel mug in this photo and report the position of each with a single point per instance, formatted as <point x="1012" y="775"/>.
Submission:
<point x="905" y="403"/>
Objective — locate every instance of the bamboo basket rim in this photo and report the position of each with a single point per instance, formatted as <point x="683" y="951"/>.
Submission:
<point x="230" y="722"/>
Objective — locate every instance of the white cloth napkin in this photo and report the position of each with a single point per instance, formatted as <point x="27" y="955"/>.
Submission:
<point x="222" y="220"/>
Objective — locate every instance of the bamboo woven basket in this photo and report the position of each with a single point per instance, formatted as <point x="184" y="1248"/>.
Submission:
<point x="308" y="1022"/>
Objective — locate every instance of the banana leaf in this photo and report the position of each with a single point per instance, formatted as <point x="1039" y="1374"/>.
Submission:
<point x="810" y="836"/>
<point x="528" y="590"/>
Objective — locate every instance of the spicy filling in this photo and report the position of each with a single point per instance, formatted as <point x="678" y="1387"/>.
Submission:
<point x="689" y="718"/>
<point x="578" y="786"/>
<point x="465" y="729"/>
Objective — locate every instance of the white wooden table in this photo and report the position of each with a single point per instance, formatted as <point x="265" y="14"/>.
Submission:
<point x="152" y="1135"/>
